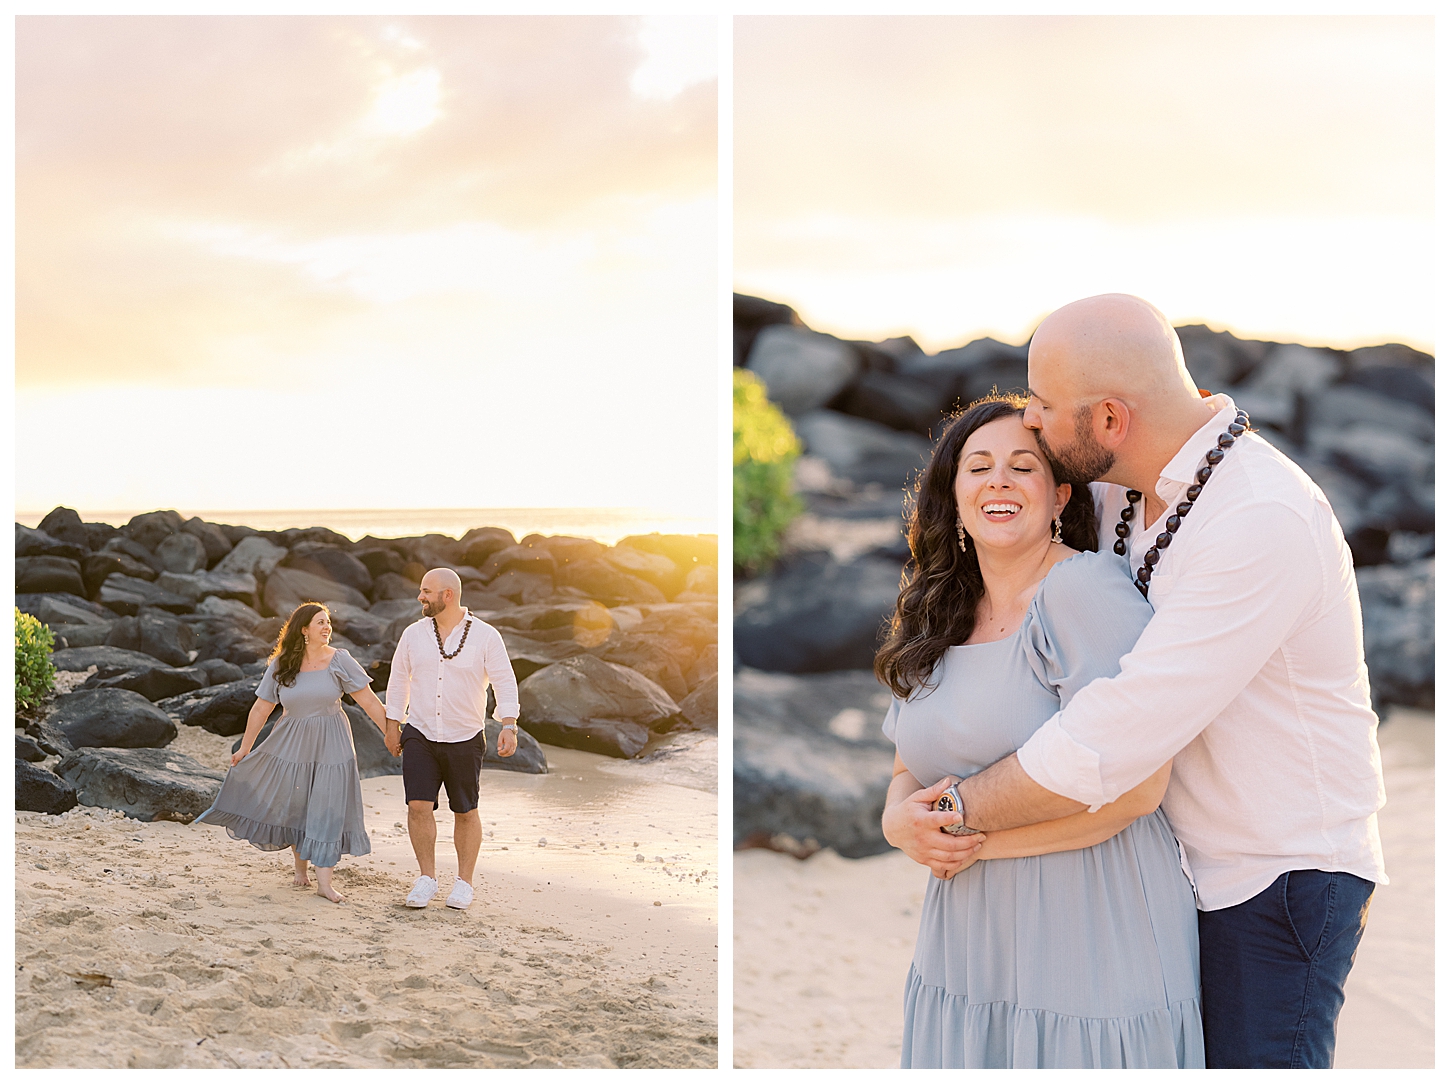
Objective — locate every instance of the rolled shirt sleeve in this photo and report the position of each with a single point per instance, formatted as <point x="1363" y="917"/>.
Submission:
<point x="501" y="676"/>
<point x="1245" y="583"/>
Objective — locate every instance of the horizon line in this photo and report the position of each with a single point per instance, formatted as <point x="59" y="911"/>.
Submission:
<point x="1216" y="326"/>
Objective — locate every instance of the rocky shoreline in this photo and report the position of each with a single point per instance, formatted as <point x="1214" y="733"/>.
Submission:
<point x="811" y="766"/>
<point x="167" y="622"/>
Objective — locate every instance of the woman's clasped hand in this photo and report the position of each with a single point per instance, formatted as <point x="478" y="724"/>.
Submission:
<point x="913" y="824"/>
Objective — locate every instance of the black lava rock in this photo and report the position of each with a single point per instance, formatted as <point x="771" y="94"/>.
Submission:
<point x="585" y="703"/>
<point x="811" y="762"/>
<point x="156" y="633"/>
<point x="219" y="671"/>
<point x="814" y="614"/>
<point x="127" y="595"/>
<point x="1398" y="603"/>
<point x="41" y="791"/>
<point x="153" y="682"/>
<point x="221" y="709"/>
<point x="30" y="543"/>
<point x="34" y="575"/>
<point x="148" y="784"/>
<point x="107" y="660"/>
<point x="115" y="718"/>
<point x="65" y="524"/>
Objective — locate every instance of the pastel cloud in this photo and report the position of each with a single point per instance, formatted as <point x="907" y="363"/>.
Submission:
<point x="378" y="223"/>
<point x="949" y="175"/>
<point x="141" y="141"/>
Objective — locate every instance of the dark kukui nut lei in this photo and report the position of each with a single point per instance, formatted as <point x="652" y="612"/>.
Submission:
<point x="1235" y="430"/>
<point x="439" y="637"/>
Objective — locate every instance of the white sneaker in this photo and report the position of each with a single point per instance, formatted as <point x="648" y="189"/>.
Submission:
<point x="461" y="896"/>
<point x="424" y="889"/>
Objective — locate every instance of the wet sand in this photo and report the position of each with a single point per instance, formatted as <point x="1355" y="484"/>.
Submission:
<point x="591" y="941"/>
<point x="822" y="945"/>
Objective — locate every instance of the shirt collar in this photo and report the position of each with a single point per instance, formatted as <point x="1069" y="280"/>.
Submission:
<point x="1183" y="466"/>
<point x="466" y="617"/>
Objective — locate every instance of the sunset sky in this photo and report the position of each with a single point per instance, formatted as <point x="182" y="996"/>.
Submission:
<point x="366" y="262"/>
<point x="948" y="177"/>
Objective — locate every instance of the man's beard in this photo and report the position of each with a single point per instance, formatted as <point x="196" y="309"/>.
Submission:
<point x="432" y="609"/>
<point x="1081" y="462"/>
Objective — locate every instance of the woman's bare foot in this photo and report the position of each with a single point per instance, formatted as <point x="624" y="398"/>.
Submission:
<point x="324" y="885"/>
<point x="299" y="871"/>
<point x="299" y="880"/>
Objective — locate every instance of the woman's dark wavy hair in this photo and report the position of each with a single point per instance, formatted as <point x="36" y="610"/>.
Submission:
<point x="941" y="585"/>
<point x="290" y="644"/>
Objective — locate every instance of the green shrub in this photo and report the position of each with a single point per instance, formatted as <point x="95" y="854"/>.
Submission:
<point x="765" y="450"/>
<point x="34" y="675"/>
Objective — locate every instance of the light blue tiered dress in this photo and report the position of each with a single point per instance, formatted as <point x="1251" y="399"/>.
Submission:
<point x="300" y="787"/>
<point x="1085" y="958"/>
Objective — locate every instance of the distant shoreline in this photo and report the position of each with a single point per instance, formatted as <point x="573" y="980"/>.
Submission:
<point x="605" y="525"/>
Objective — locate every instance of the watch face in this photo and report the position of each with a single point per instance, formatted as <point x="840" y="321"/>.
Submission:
<point x="948" y="802"/>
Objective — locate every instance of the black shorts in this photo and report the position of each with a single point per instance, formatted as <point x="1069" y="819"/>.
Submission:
<point x="453" y="764"/>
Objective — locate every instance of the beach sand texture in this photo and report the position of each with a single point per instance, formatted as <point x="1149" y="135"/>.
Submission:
<point x="822" y="946"/>
<point x="591" y="941"/>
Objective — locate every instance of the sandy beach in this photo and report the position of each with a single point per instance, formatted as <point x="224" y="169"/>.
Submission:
<point x="822" y="945"/>
<point x="591" y="942"/>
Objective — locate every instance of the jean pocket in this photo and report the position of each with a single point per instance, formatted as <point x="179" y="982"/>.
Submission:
<point x="1308" y="906"/>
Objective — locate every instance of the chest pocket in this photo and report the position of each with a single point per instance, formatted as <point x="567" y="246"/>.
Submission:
<point x="1160" y="587"/>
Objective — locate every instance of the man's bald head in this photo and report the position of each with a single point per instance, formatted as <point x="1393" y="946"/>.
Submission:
<point x="1112" y="345"/>
<point x="1111" y="397"/>
<point x="444" y="579"/>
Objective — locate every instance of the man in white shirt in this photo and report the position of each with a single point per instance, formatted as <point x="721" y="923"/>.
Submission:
<point x="1250" y="677"/>
<point x="436" y="704"/>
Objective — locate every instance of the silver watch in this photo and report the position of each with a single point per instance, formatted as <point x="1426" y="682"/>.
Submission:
<point x="951" y="801"/>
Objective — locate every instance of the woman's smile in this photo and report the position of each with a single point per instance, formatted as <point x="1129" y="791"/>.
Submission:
<point x="1001" y="510"/>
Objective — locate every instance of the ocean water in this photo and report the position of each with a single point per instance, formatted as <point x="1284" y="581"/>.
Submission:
<point x="606" y="525"/>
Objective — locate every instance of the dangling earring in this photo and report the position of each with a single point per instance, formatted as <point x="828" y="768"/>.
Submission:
<point x="961" y="535"/>
<point x="1057" y="528"/>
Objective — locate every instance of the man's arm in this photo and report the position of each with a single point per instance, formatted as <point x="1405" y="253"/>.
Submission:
<point x="1004" y="796"/>
<point x="505" y="691"/>
<point x="1072" y="833"/>
<point x="400" y="680"/>
<point x="1249" y="579"/>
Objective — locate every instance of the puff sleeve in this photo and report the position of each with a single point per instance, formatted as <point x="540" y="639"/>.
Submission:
<point x="267" y="689"/>
<point x="893" y="713"/>
<point x="1087" y="616"/>
<point x="349" y="672"/>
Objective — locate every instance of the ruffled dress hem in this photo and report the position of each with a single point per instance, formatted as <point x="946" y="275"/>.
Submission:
<point x="278" y="837"/>
<point x="943" y="1030"/>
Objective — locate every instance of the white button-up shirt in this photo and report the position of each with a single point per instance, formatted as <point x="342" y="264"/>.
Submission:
<point x="447" y="699"/>
<point x="1250" y="677"/>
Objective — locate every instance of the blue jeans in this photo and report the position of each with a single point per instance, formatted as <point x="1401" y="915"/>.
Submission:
<point x="1273" y="971"/>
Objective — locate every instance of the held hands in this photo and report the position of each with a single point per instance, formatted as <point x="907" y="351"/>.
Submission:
<point x="393" y="738"/>
<point x="508" y="741"/>
<point x="914" y="825"/>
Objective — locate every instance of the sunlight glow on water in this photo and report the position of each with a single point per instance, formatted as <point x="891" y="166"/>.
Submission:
<point x="606" y="525"/>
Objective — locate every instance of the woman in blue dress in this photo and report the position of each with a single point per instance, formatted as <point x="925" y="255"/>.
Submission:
<point x="300" y="787"/>
<point x="1071" y="943"/>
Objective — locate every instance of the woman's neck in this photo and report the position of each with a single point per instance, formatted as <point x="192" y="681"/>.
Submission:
<point x="1007" y="575"/>
<point x="313" y="655"/>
